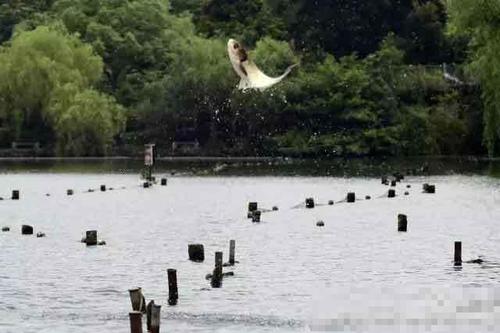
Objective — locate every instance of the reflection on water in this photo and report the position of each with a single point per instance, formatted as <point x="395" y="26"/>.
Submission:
<point x="357" y="273"/>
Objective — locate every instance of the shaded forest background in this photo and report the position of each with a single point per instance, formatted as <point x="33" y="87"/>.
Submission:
<point x="376" y="77"/>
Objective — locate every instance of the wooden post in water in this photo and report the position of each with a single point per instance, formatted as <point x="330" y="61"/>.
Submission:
<point x="256" y="216"/>
<point x="136" y="299"/>
<point x="91" y="237"/>
<point x="309" y="203"/>
<point x="148" y="315"/>
<point x="69" y="192"/>
<point x="216" y="281"/>
<point x="103" y="188"/>
<point x="164" y="182"/>
<point x="155" y="318"/>
<point x="351" y="197"/>
<point x="196" y="252"/>
<point x="26" y="230"/>
<point x="402" y="223"/>
<point x="391" y="193"/>
<point x="15" y="195"/>
<point x="173" y="294"/>
<point x="232" y="247"/>
<point x="458" y="253"/>
<point x="135" y="322"/>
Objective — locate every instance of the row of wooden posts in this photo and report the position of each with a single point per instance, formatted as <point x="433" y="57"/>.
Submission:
<point x="16" y="194"/>
<point x="196" y="253"/>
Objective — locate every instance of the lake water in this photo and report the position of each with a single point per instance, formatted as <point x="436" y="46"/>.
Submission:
<point x="355" y="274"/>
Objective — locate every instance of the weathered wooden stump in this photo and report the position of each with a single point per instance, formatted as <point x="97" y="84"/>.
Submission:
<point x="196" y="252"/>
<point x="407" y="193"/>
<point x="429" y="188"/>
<point x="155" y="318"/>
<point x="232" y="247"/>
<point x="320" y="224"/>
<point x="15" y="195"/>
<point x="216" y="280"/>
<point x="137" y="299"/>
<point x="309" y="203"/>
<point x="5" y="229"/>
<point x="149" y="308"/>
<point x="367" y="197"/>
<point x="69" y="192"/>
<point x="173" y="293"/>
<point x="135" y="322"/>
<point x="458" y="253"/>
<point x="351" y="197"/>
<point x="330" y="202"/>
<point x="103" y="188"/>
<point x="402" y="223"/>
<point x="256" y="216"/>
<point x="26" y="230"/>
<point x="252" y="206"/>
<point x="91" y="237"/>
<point x="391" y="193"/>
<point x="145" y="185"/>
<point x="40" y="234"/>
<point x="164" y="182"/>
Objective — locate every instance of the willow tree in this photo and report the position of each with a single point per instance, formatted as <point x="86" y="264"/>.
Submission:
<point x="479" y="19"/>
<point x="50" y="74"/>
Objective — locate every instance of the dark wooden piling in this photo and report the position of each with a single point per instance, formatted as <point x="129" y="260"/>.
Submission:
<point x="252" y="206"/>
<point x="330" y="202"/>
<point x="5" y="229"/>
<point x="155" y="318"/>
<point x="216" y="281"/>
<point x="26" y="230"/>
<point x="309" y="203"/>
<point x="367" y="197"/>
<point x="458" y="253"/>
<point x="15" y="195"/>
<point x="173" y="293"/>
<point x="393" y="183"/>
<point x="429" y="188"/>
<point x="136" y="299"/>
<point x="196" y="252"/>
<point x="408" y="186"/>
<point x="275" y="208"/>
<point x="135" y="322"/>
<point x="69" y="192"/>
<point x="256" y="216"/>
<point x="164" y="182"/>
<point x="232" y="247"/>
<point x="103" y="188"/>
<point x="149" y="308"/>
<point x="145" y="185"/>
<point x="40" y="234"/>
<point x="402" y="223"/>
<point x="91" y="237"/>
<point x="351" y="197"/>
<point x="407" y="193"/>
<point x="391" y="193"/>
<point x="320" y="224"/>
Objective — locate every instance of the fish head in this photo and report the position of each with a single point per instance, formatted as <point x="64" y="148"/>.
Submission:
<point x="237" y="55"/>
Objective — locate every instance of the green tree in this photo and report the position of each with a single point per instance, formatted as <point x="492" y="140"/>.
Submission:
<point x="36" y="71"/>
<point x="479" y="19"/>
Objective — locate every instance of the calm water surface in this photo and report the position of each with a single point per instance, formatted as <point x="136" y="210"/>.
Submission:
<point x="356" y="274"/>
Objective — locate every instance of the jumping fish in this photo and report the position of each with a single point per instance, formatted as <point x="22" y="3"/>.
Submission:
<point x="251" y="76"/>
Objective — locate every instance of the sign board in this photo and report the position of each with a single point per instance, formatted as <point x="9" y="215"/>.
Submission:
<point x="149" y="154"/>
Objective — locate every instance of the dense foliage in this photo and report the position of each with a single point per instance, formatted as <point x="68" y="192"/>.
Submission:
<point x="370" y="80"/>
